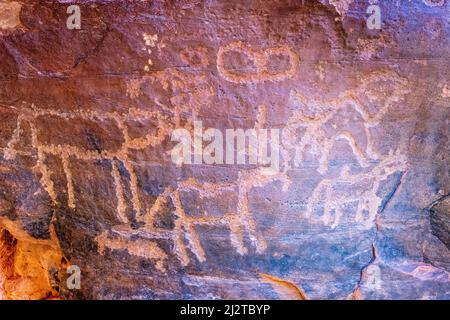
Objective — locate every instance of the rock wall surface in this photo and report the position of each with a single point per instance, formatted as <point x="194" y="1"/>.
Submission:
<point x="359" y="208"/>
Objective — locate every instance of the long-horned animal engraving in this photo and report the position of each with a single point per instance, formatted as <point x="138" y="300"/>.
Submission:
<point x="239" y="223"/>
<point x="364" y="188"/>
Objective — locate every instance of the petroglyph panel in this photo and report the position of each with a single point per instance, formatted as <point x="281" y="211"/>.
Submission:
<point x="264" y="65"/>
<point x="353" y="211"/>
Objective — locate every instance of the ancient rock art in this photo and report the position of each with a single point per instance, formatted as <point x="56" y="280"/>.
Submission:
<point x="285" y="289"/>
<point x="176" y="84"/>
<point x="150" y="42"/>
<point x="434" y="3"/>
<point x="184" y="230"/>
<point x="144" y="248"/>
<point x="29" y="266"/>
<point x="68" y="153"/>
<point x="10" y="15"/>
<point x="312" y="115"/>
<point x="195" y="57"/>
<point x="341" y="6"/>
<point x="422" y="271"/>
<point x="260" y="59"/>
<point x="134" y="85"/>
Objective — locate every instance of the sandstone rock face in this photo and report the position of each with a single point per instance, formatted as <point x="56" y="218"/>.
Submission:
<point x="357" y="208"/>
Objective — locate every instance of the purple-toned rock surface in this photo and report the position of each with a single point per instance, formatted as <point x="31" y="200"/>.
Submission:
<point x="357" y="207"/>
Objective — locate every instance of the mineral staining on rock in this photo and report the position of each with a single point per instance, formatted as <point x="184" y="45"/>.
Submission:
<point x="341" y="6"/>
<point x="357" y="210"/>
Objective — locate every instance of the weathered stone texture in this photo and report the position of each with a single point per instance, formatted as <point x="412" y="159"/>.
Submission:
<point x="360" y="206"/>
